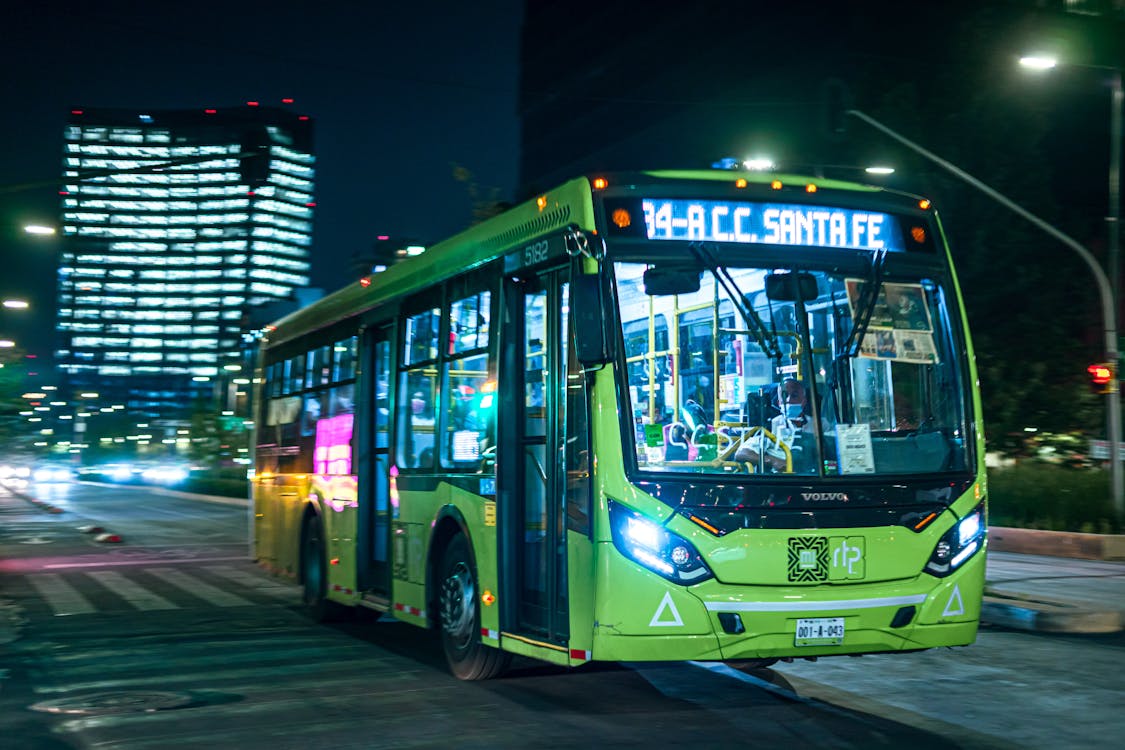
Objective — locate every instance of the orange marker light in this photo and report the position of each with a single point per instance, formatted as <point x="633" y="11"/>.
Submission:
<point x="810" y="188"/>
<point x="705" y="525"/>
<point x="923" y="204"/>
<point x="365" y="281"/>
<point x="922" y="524"/>
<point x="600" y="183"/>
<point x="740" y="182"/>
<point x="621" y="218"/>
<point x="776" y="184"/>
<point x="541" y="201"/>
<point x="488" y="598"/>
<point x="918" y="233"/>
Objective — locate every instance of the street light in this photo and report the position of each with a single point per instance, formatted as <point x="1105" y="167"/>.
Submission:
<point x="1116" y="105"/>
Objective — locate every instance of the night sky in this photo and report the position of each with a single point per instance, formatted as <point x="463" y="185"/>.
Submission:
<point x="399" y="93"/>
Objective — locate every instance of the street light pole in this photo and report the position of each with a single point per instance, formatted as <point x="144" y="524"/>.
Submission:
<point x="1105" y="290"/>
<point x="1113" y="263"/>
<point x="1114" y="251"/>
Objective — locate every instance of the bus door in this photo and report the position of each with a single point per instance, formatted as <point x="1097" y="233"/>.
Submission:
<point x="376" y="510"/>
<point x="532" y="500"/>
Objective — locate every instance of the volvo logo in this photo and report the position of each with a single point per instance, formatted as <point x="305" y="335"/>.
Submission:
<point x="824" y="496"/>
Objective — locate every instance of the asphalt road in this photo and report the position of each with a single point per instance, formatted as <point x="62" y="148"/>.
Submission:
<point x="174" y="639"/>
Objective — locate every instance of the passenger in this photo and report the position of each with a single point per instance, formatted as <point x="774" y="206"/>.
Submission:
<point x="793" y="427"/>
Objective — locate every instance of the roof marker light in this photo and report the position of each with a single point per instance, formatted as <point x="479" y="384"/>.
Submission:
<point x="924" y="204"/>
<point x="365" y="281"/>
<point x="77" y="112"/>
<point x="210" y="111"/>
<point x="303" y="117"/>
<point x="287" y="100"/>
<point x="541" y="202"/>
<point x="600" y="183"/>
<point x="776" y="184"/>
<point x="251" y="104"/>
<point x="810" y="188"/>
<point x="740" y="182"/>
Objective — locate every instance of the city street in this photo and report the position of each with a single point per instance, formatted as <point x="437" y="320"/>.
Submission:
<point x="174" y="638"/>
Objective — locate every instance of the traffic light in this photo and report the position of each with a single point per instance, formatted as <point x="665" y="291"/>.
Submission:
<point x="1103" y="377"/>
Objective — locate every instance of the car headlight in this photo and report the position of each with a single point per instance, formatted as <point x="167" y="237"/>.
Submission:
<point x="652" y="546"/>
<point x="957" y="545"/>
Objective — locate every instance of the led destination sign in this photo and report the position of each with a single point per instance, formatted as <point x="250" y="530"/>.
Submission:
<point x="771" y="224"/>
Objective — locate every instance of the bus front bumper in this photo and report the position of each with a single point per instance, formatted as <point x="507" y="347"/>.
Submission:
<point x="646" y="619"/>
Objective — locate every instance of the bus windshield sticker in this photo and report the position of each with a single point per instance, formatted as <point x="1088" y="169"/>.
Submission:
<point x="771" y="224"/>
<point x="900" y="328"/>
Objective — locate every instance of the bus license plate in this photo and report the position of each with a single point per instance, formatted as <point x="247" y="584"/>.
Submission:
<point x="820" y="631"/>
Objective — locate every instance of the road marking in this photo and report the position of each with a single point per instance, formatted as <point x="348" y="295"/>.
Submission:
<point x="192" y="585"/>
<point x="130" y="591"/>
<point x="259" y="584"/>
<point x="60" y="596"/>
<point x="142" y="561"/>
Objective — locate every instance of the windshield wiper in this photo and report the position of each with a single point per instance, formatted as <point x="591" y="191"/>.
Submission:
<point x="841" y="369"/>
<point x="758" y="329"/>
<point x="866" y="306"/>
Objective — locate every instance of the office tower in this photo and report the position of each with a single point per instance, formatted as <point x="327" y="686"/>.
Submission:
<point x="177" y="225"/>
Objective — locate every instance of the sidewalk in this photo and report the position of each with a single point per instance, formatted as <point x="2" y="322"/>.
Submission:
<point x="1054" y="594"/>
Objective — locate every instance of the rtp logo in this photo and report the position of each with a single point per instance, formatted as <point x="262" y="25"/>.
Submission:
<point x="846" y="558"/>
<point x="837" y="558"/>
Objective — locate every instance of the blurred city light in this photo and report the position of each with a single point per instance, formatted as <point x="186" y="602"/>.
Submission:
<point x="880" y="170"/>
<point x="38" y="229"/>
<point x="16" y="304"/>
<point x="1038" y="62"/>
<point x="759" y="163"/>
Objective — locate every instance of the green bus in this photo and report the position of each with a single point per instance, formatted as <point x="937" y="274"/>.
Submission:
<point x="667" y="415"/>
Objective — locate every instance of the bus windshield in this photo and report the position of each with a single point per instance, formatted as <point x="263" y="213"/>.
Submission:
<point x="810" y="373"/>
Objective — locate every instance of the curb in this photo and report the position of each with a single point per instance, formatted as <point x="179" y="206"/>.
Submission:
<point x="1019" y="613"/>
<point x="1071" y="544"/>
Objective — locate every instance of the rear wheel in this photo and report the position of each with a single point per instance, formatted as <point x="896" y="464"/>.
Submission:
<point x="468" y="658"/>
<point x="314" y="574"/>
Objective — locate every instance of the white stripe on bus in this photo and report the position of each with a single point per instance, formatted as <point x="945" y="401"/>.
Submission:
<point x="192" y="585"/>
<point x="811" y="606"/>
<point x="60" y="596"/>
<point x="131" y="591"/>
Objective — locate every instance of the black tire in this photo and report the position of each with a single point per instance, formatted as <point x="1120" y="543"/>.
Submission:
<point x="458" y="609"/>
<point x="314" y="574"/>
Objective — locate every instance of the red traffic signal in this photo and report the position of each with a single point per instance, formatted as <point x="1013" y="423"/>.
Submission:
<point x="1103" y="377"/>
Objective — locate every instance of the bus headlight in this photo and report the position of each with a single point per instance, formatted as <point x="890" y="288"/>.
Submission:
<point x="958" y="544"/>
<point x="652" y="546"/>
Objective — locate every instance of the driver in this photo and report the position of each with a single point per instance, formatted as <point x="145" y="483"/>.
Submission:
<point x="790" y="427"/>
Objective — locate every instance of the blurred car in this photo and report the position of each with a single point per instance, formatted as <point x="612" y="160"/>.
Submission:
<point x="51" y="474"/>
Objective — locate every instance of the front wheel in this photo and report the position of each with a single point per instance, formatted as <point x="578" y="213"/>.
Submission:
<point x="468" y="658"/>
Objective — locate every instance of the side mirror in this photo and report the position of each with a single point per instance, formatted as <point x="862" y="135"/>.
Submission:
<point x="591" y="342"/>
<point x="787" y="287"/>
<point x="663" y="280"/>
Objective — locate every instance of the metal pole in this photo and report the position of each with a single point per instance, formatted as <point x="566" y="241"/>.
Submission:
<point x="1105" y="289"/>
<point x="1114" y="402"/>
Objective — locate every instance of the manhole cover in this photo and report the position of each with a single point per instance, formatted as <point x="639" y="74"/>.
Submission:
<point x="114" y="702"/>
